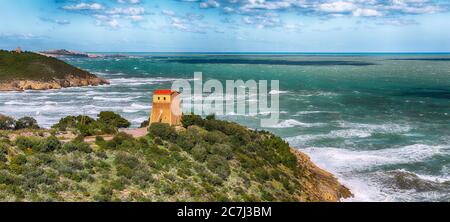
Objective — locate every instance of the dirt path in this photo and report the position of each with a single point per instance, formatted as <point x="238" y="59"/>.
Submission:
<point x="136" y="133"/>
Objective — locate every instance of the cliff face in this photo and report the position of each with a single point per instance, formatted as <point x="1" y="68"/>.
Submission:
<point x="320" y="183"/>
<point x="31" y="71"/>
<point x="70" y="81"/>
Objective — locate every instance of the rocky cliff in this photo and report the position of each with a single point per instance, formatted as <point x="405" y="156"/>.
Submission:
<point x="31" y="71"/>
<point x="69" y="81"/>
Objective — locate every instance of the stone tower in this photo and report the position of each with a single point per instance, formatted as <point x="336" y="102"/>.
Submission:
<point x="166" y="107"/>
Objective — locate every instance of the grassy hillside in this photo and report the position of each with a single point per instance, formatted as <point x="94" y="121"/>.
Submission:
<point x="32" y="66"/>
<point x="206" y="160"/>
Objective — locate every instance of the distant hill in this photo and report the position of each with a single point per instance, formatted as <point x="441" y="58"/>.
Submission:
<point x="63" y="53"/>
<point x="28" y="70"/>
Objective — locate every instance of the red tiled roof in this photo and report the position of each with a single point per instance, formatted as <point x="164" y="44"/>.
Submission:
<point x="164" y="92"/>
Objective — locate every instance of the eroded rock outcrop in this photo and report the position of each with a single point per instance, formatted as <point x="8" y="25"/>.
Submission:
<point x="69" y="81"/>
<point x="318" y="182"/>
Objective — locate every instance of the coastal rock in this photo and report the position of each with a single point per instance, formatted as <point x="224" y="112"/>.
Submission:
<point x="33" y="71"/>
<point x="69" y="81"/>
<point x="322" y="184"/>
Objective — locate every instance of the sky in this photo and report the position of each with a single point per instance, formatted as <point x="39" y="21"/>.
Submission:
<point x="226" y="25"/>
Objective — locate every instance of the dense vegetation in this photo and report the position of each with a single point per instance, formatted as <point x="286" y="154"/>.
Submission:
<point x="32" y="66"/>
<point x="107" y="123"/>
<point x="9" y="123"/>
<point x="205" y="160"/>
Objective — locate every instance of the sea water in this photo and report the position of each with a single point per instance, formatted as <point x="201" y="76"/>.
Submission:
<point x="379" y="122"/>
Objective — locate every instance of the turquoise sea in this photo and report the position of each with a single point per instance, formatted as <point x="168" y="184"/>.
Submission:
<point x="379" y="122"/>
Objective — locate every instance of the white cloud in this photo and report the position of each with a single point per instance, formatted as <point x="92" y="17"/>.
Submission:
<point x="129" y="1"/>
<point x="84" y="6"/>
<point x="210" y="4"/>
<point x="339" y="6"/>
<point x="364" y="12"/>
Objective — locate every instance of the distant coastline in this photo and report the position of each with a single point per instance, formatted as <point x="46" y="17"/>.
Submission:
<point x="21" y="71"/>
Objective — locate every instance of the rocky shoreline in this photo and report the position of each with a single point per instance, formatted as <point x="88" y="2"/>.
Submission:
<point x="324" y="185"/>
<point x="69" y="81"/>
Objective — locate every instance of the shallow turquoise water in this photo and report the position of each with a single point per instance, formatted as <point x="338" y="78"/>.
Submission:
<point x="380" y="122"/>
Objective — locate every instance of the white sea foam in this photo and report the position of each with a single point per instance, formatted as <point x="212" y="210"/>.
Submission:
<point x="353" y="168"/>
<point x="141" y="81"/>
<point x="14" y="102"/>
<point x="313" y="112"/>
<point x="135" y="107"/>
<point x="115" y="99"/>
<point x="293" y="123"/>
<point x="377" y="128"/>
<point x="139" y="120"/>
<point x="339" y="159"/>
<point x="274" y="92"/>
<point x="352" y="130"/>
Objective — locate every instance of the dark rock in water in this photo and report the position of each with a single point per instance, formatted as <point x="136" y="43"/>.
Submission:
<point x="410" y="181"/>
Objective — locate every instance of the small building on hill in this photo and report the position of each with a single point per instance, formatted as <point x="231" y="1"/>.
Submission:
<point x="166" y="107"/>
<point x="18" y="50"/>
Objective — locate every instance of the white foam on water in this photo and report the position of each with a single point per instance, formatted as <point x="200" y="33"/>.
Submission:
<point x="294" y="123"/>
<point x="377" y="128"/>
<point x="313" y="112"/>
<point x="15" y="102"/>
<point x="336" y="158"/>
<point x="349" y="133"/>
<point x="115" y="99"/>
<point x="352" y="167"/>
<point x="142" y="81"/>
<point x="275" y="92"/>
<point x="434" y="178"/>
<point x="135" y="107"/>
<point x="139" y="120"/>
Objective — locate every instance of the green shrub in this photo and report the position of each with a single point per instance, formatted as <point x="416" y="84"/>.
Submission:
<point x="8" y="178"/>
<point x="199" y="153"/>
<point x="211" y="117"/>
<point x="214" y="137"/>
<point x="3" y="151"/>
<point x="222" y="150"/>
<point x="73" y="122"/>
<point x="49" y="144"/>
<point x="7" y="123"/>
<point x="26" y="123"/>
<point x="77" y="146"/>
<point x="19" y="159"/>
<point x="163" y="131"/>
<point x="126" y="160"/>
<point x="113" y="119"/>
<point x="191" y="120"/>
<point x="124" y="171"/>
<point x="26" y="142"/>
<point x="119" y="140"/>
<point x="186" y="140"/>
<point x="107" y="123"/>
<point x="144" y="124"/>
<point x="218" y="165"/>
<point x="99" y="140"/>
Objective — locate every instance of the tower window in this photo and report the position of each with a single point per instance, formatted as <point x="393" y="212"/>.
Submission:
<point x="159" y="98"/>
<point x="164" y="98"/>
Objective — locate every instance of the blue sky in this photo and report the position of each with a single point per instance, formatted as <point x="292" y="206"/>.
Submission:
<point x="226" y="25"/>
